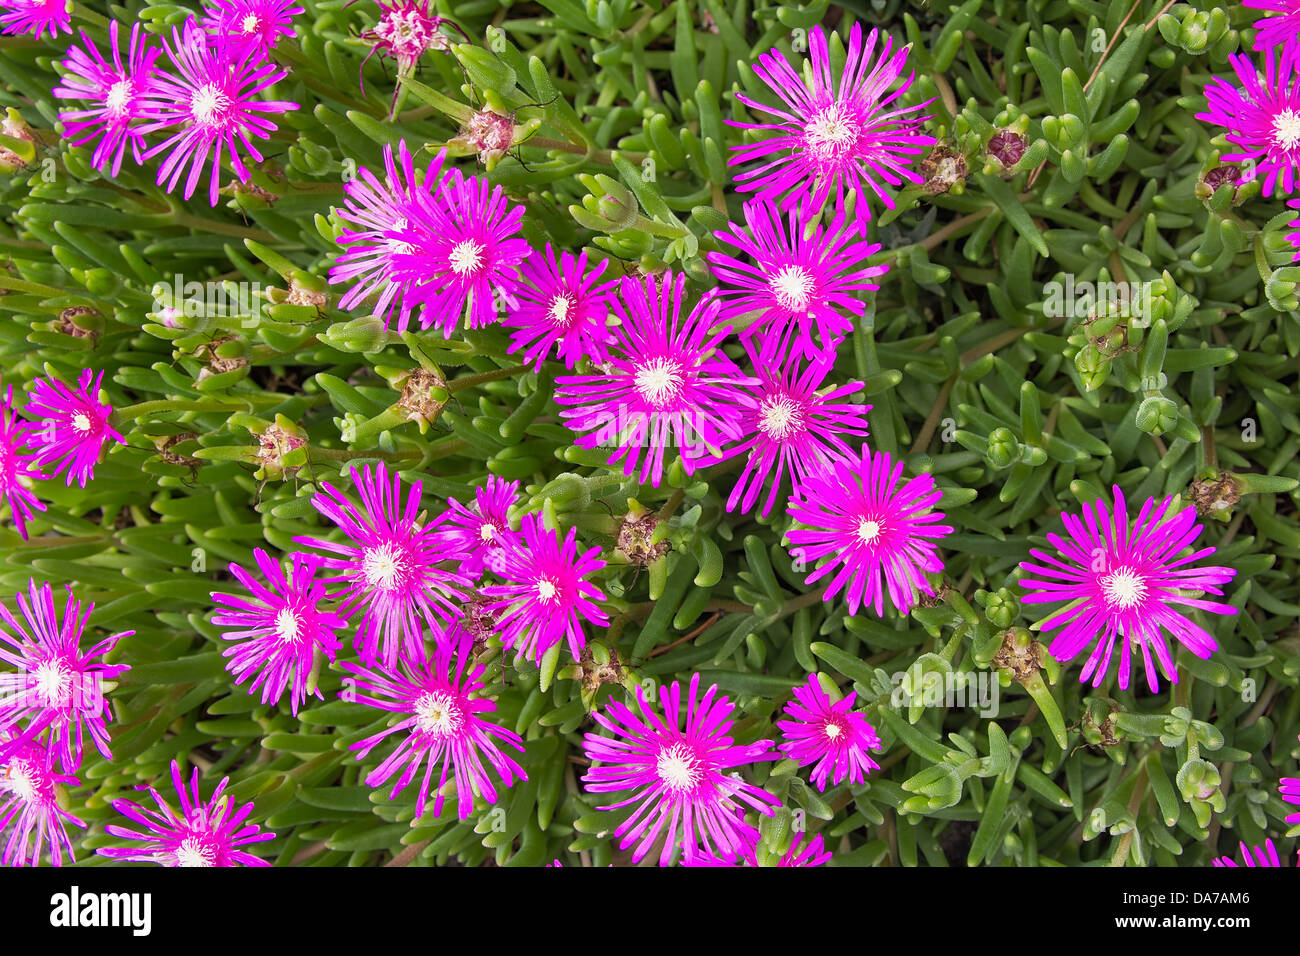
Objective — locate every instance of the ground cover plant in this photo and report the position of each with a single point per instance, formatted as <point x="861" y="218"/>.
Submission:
<point x="649" y="432"/>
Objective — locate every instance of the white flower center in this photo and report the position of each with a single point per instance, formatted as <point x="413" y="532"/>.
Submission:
<point x="209" y="105"/>
<point x="868" y="531"/>
<point x="250" y="23"/>
<point x="53" y="683"/>
<point x="486" y="531"/>
<point x="194" y="852"/>
<point x="779" y="417"/>
<point x="678" y="767"/>
<point x="437" y="714"/>
<point x="659" y="381"/>
<point x="466" y="257"/>
<point x="287" y="625"/>
<point x="1123" y="588"/>
<point x="383" y="567"/>
<point x="118" y="97"/>
<point x="561" y="312"/>
<point x="833" y="731"/>
<point x="547" y="589"/>
<point x="832" y="133"/>
<point x="20" y="782"/>
<point x="1286" y="129"/>
<point x="792" y="287"/>
<point x="81" y="422"/>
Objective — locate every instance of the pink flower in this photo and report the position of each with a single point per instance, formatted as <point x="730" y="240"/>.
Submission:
<point x="681" y="787"/>
<point x="791" y="427"/>
<point x="879" y="535"/>
<point x="212" y="108"/>
<point x="69" y="427"/>
<point x="389" y="564"/>
<point x="256" y="23"/>
<point x="829" y="734"/>
<point x="546" y="596"/>
<point x="1265" y="855"/>
<point x="1263" y="120"/>
<point x="54" y="685"/>
<point x="666" y="382"/>
<point x="802" y="287"/>
<point x="1125" y="583"/>
<point x="1290" y="790"/>
<point x="441" y="726"/>
<point x="17" y="467"/>
<point x="481" y="530"/>
<point x="281" y="627"/>
<point x="36" y="17"/>
<point x="560" y="305"/>
<point x="462" y="254"/>
<point x="833" y="134"/>
<point x="29" y="804"/>
<point x="201" y="834"/>
<point x="117" y="94"/>
<point x="1277" y="30"/>
<point x="811" y="852"/>
<point x="384" y="212"/>
<point x="406" y="29"/>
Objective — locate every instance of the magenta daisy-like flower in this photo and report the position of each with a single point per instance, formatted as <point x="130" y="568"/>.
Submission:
<point x="1294" y="236"/>
<point x="1275" y="30"/>
<point x="256" y="23"/>
<point x="389" y="564"/>
<point x="879" y="535"/>
<point x="1262" y="116"/>
<point x="68" y="427"/>
<point x="800" y="286"/>
<point x="546" y="597"/>
<point x="1290" y="790"/>
<point x="665" y="382"/>
<point x="16" y="467"/>
<point x="1265" y="855"/>
<point x="280" y="628"/>
<point x="682" y="781"/>
<point x="29" y="804"/>
<point x="1124" y="585"/>
<point x="831" y="134"/>
<point x="463" y="257"/>
<point x="482" y="530"/>
<point x="55" y="686"/>
<point x="117" y="92"/>
<point x="36" y="17"/>
<point x="383" y="212"/>
<point x="827" y="733"/>
<point x="212" y="109"/>
<point x="791" y="428"/>
<point x="811" y="852"/>
<point x="203" y="833"/>
<point x="561" y="306"/>
<point x="441" y="726"/>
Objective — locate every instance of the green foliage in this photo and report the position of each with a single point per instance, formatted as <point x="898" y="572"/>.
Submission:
<point x="1019" y="410"/>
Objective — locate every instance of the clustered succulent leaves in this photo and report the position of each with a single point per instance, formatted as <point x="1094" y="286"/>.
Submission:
<point x="451" y="432"/>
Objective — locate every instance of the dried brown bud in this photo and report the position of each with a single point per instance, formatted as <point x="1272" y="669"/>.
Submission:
<point x="417" y="400"/>
<point x="943" y="169"/>
<point x="1019" y="654"/>
<point x="1214" y="496"/>
<point x="634" y="536"/>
